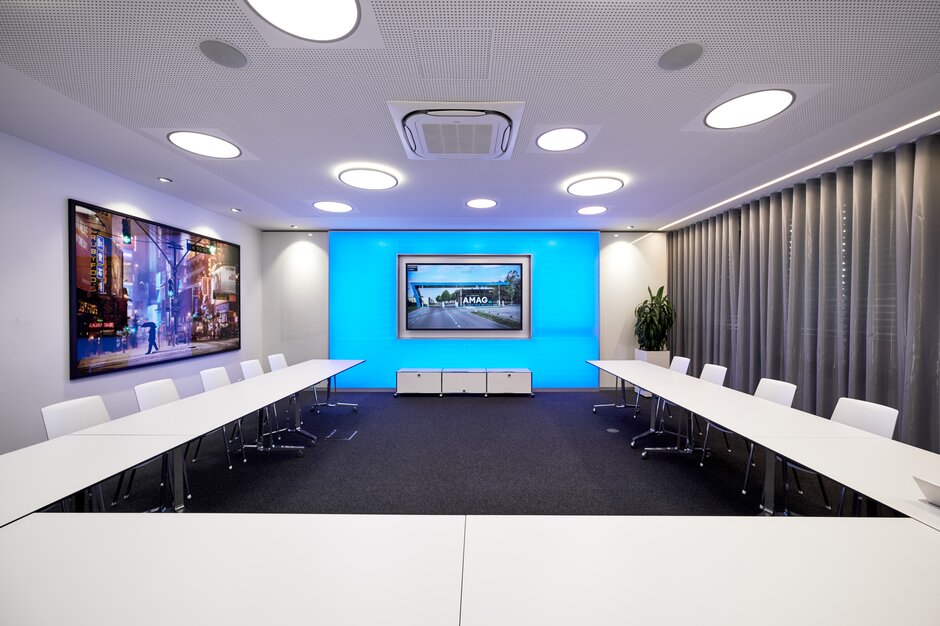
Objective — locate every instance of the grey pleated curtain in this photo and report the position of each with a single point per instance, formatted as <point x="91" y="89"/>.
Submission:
<point x="833" y="284"/>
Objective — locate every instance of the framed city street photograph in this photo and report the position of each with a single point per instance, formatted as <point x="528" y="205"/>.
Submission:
<point x="143" y="293"/>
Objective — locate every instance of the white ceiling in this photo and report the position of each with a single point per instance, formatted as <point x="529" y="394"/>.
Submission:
<point x="104" y="81"/>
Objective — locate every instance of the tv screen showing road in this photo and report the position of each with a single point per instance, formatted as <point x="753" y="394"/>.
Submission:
<point x="464" y="296"/>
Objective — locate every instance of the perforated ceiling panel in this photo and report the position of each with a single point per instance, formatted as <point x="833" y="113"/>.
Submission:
<point x="868" y="65"/>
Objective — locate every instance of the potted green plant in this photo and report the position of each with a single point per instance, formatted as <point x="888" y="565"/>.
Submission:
<point x="654" y="317"/>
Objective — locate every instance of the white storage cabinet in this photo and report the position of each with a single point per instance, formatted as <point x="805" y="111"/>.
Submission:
<point x="509" y="380"/>
<point x="467" y="380"/>
<point x="418" y="380"/>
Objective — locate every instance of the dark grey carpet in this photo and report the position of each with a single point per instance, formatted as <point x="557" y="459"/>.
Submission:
<point x="547" y="455"/>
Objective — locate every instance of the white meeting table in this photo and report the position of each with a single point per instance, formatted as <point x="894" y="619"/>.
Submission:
<point x="799" y="436"/>
<point x="467" y="570"/>
<point x="342" y="570"/>
<point x="44" y="473"/>
<point x="612" y="571"/>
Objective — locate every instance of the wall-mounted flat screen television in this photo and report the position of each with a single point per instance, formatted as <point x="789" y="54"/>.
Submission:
<point x="464" y="296"/>
<point x="143" y="293"/>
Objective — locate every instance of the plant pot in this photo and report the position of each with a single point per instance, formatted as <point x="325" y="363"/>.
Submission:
<point x="656" y="357"/>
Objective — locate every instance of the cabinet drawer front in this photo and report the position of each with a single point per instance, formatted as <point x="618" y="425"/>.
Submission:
<point x="509" y="382"/>
<point x="419" y="382"/>
<point x="464" y="382"/>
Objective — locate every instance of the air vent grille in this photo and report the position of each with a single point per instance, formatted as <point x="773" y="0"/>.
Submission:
<point x="468" y="139"/>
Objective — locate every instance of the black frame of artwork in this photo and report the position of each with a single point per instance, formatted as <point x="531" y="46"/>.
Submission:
<point x="99" y="298"/>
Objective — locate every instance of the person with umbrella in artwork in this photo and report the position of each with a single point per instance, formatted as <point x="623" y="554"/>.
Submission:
<point x="152" y="346"/>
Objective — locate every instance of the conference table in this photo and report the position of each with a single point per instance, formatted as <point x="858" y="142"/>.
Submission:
<point x="39" y="475"/>
<point x="471" y="570"/>
<point x="874" y="466"/>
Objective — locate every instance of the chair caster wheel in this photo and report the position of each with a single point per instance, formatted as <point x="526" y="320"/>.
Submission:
<point x="355" y="409"/>
<point x="593" y="410"/>
<point x="744" y="492"/>
<point x="644" y="455"/>
<point x="300" y="453"/>
<point x="633" y="444"/>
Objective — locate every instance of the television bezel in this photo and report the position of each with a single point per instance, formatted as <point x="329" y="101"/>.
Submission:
<point x="525" y="260"/>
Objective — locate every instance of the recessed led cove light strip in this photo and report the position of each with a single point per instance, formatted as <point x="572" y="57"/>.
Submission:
<point x="805" y="168"/>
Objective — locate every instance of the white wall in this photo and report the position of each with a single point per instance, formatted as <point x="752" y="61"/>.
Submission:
<point x="626" y="270"/>
<point x="295" y="294"/>
<point x="34" y="369"/>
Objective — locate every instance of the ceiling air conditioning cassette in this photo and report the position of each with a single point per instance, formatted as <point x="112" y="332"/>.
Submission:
<point x="458" y="134"/>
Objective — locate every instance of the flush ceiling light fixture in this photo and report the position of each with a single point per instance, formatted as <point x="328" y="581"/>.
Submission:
<point x="750" y="108"/>
<point x="805" y="168"/>
<point x="592" y="210"/>
<point x="204" y="145"/>
<point x="481" y="203"/>
<point x="332" y="207"/>
<point x="164" y="179"/>
<point x="595" y="184"/>
<point x="322" y="21"/>
<point x="561" y="139"/>
<point x="368" y="177"/>
<point x="236" y="210"/>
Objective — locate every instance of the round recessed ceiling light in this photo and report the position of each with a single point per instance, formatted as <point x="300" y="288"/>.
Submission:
<point x="236" y="210"/>
<point x="323" y="21"/>
<point x="592" y="210"/>
<point x="680" y="57"/>
<point x="223" y="54"/>
<point x="481" y="203"/>
<point x="561" y="139"/>
<point x="332" y="207"/>
<point x="366" y="178"/>
<point x="750" y="108"/>
<point x="164" y="179"/>
<point x="596" y="185"/>
<point x="204" y="145"/>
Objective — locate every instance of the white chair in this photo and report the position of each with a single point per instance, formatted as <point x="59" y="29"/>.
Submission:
<point x="778" y="391"/>
<point x="679" y="364"/>
<point x="70" y="416"/>
<point x="253" y="369"/>
<point x="213" y="378"/>
<point x="277" y="362"/>
<point x="711" y="373"/>
<point x="150" y="395"/>
<point x="874" y="418"/>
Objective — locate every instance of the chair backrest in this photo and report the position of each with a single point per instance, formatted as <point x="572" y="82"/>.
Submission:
<point x="252" y="368"/>
<point x="72" y="415"/>
<point x="277" y="362"/>
<point x="680" y="364"/>
<point x="214" y="378"/>
<point x="778" y="391"/>
<point x="714" y="373"/>
<point x="156" y="393"/>
<point x="874" y="418"/>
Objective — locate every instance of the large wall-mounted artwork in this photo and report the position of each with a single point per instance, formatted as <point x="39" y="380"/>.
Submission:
<point x="143" y="293"/>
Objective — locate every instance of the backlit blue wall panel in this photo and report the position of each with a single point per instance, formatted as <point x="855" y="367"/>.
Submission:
<point x="363" y="306"/>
